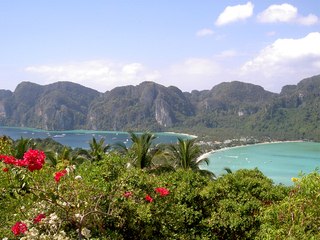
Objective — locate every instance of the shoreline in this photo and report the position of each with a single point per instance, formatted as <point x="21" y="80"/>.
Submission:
<point x="89" y="131"/>
<point x="265" y="159"/>
<point x="182" y="134"/>
<point x="205" y="155"/>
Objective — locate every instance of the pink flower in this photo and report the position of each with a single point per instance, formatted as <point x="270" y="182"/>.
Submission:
<point x="162" y="191"/>
<point x="148" y="198"/>
<point x="127" y="194"/>
<point x="38" y="218"/>
<point x="35" y="159"/>
<point x="5" y="169"/>
<point x="20" y="163"/>
<point x="8" y="159"/>
<point x="13" y="161"/>
<point x="59" y="175"/>
<point x="19" y="228"/>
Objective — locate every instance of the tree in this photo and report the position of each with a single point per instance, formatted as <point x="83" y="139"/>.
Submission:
<point x="21" y="146"/>
<point x="187" y="154"/>
<point x="64" y="157"/>
<point x="97" y="150"/>
<point x="141" y="149"/>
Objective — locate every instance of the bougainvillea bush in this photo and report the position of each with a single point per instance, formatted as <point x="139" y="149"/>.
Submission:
<point x="108" y="200"/>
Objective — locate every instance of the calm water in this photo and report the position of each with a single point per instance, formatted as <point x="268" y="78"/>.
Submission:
<point x="279" y="161"/>
<point x="81" y="138"/>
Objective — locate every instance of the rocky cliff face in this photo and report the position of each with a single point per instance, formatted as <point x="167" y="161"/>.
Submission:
<point x="146" y="106"/>
<point x="150" y="106"/>
<point x="57" y="106"/>
<point x="163" y="115"/>
<point x="234" y="97"/>
<point x="4" y="97"/>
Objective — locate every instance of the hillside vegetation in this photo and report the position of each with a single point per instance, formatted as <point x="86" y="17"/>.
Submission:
<point x="230" y="109"/>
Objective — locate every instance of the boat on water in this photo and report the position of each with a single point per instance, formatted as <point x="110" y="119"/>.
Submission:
<point x="59" y="135"/>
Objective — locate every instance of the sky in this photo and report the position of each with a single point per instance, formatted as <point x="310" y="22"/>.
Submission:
<point x="190" y="44"/>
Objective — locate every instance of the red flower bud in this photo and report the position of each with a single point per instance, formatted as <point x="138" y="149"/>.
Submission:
<point x="148" y="198"/>
<point x="127" y="194"/>
<point x="59" y="175"/>
<point x="38" y="218"/>
<point x="162" y="191"/>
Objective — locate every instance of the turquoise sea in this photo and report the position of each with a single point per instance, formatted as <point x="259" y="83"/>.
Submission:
<point x="81" y="138"/>
<point x="278" y="161"/>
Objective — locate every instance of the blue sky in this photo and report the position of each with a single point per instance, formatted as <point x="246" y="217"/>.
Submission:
<point x="190" y="44"/>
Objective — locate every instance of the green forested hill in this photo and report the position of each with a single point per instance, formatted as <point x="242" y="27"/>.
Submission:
<point x="146" y="106"/>
<point x="295" y="113"/>
<point x="230" y="109"/>
<point x="57" y="106"/>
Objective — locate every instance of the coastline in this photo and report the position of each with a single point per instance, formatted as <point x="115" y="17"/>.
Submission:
<point x="205" y="155"/>
<point x="182" y="134"/>
<point x="87" y="131"/>
<point x="278" y="160"/>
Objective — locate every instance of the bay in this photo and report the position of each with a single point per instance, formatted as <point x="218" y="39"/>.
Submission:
<point x="81" y="138"/>
<point x="278" y="161"/>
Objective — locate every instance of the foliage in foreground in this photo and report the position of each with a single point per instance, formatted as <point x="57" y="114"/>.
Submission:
<point x="298" y="215"/>
<point x="106" y="200"/>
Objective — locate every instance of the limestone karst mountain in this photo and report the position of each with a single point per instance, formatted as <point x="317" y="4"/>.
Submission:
<point x="236" y="106"/>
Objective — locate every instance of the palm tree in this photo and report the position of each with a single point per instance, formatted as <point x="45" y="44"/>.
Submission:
<point x="21" y="146"/>
<point x="187" y="154"/>
<point x="97" y="150"/>
<point x="65" y="157"/>
<point x="120" y="148"/>
<point x="141" y="149"/>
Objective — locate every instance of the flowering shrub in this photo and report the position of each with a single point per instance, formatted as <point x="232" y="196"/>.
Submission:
<point x="59" y="175"/>
<point x="32" y="159"/>
<point x="148" y="198"/>
<point x="41" y="227"/>
<point x="60" y="204"/>
<point x="38" y="218"/>
<point x="106" y="200"/>
<point x="12" y="161"/>
<point x="19" y="228"/>
<point x="162" y="191"/>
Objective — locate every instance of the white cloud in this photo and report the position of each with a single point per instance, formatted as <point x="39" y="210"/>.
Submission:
<point x="308" y="20"/>
<point x="132" y="69"/>
<point x="192" y="73"/>
<point x="204" y="32"/>
<point x="284" y="60"/>
<point x="235" y="13"/>
<point x="316" y="64"/>
<point x="196" y="67"/>
<point x="285" y="13"/>
<point x="196" y="73"/>
<point x="98" y="74"/>
<point x="278" y="13"/>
